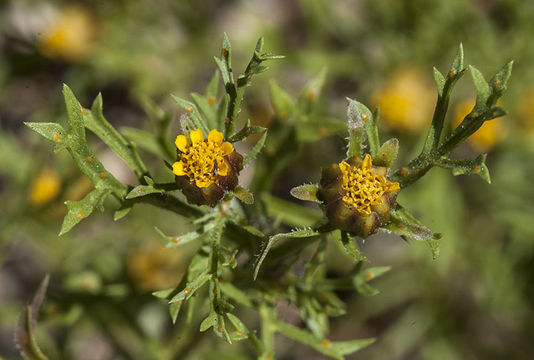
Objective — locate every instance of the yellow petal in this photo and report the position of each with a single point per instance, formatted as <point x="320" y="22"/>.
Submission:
<point x="202" y="183"/>
<point x="215" y="136"/>
<point x="367" y="162"/>
<point x="181" y="143"/>
<point x="196" y="136"/>
<point x="222" y="168"/>
<point x="226" y="148"/>
<point x="178" y="168"/>
<point x="345" y="167"/>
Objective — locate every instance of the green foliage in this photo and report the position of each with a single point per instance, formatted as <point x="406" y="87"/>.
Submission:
<point x="235" y="240"/>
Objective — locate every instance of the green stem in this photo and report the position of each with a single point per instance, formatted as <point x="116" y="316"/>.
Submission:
<point x="267" y="331"/>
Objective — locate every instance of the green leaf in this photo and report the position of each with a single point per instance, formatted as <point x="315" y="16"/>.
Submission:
<point x="245" y="132"/>
<point x="387" y="153"/>
<point x="145" y="140"/>
<point x="52" y="131"/>
<point x="191" y="287"/>
<point x="362" y="127"/>
<point x="174" y="310"/>
<point x="95" y="121"/>
<point x="241" y="330"/>
<point x="458" y="62"/>
<point x="335" y="350"/>
<point x="409" y="228"/>
<point x="290" y="213"/>
<point x="481" y="85"/>
<point x="244" y="195"/>
<point x="121" y="212"/>
<point x="174" y="241"/>
<point x="74" y="112"/>
<point x="475" y="166"/>
<point x="163" y="294"/>
<point x="499" y="81"/>
<point x="236" y="294"/>
<point x="78" y="210"/>
<point x="306" y="192"/>
<point x="497" y="112"/>
<point x="311" y="93"/>
<point x="349" y="347"/>
<point x="297" y="234"/>
<point x="255" y="149"/>
<point x="192" y="113"/>
<point x="213" y="86"/>
<point x="348" y="246"/>
<point x="440" y="81"/>
<point x="209" y="321"/>
<point x="283" y="104"/>
<point x="208" y="109"/>
<point x="24" y="334"/>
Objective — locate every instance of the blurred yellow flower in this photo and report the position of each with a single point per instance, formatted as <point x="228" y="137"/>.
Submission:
<point x="406" y="102"/>
<point x="490" y="133"/>
<point x="69" y="36"/>
<point x="526" y="107"/>
<point x="45" y="188"/>
<point x="153" y="267"/>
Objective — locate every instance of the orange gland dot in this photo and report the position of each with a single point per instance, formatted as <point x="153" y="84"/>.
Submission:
<point x="220" y="329"/>
<point x="310" y="95"/>
<point x="322" y="131"/>
<point x="365" y="118"/>
<point x="369" y="275"/>
<point x="79" y="214"/>
<point x="239" y="333"/>
<point x="141" y="191"/>
<point x="227" y="120"/>
<point x="225" y="51"/>
<point x="211" y="100"/>
<point x="326" y="344"/>
<point x="404" y="171"/>
<point x="496" y="84"/>
<point x="103" y="175"/>
<point x="231" y="258"/>
<point x="187" y="291"/>
<point x="83" y="110"/>
<point x="90" y="159"/>
<point x="476" y="170"/>
<point x="189" y="110"/>
<point x="57" y="137"/>
<point x="175" y="240"/>
<point x="452" y="74"/>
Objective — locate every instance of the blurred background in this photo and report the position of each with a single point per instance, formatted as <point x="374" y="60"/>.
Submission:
<point x="474" y="302"/>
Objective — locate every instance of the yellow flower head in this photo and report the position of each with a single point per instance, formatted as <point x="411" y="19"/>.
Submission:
<point x="202" y="160"/>
<point x="405" y="102"/>
<point x="70" y="36"/>
<point x="45" y="188"/>
<point x="490" y="133"/>
<point x="356" y="195"/>
<point x="363" y="186"/>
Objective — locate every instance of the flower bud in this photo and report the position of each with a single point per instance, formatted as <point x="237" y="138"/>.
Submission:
<point x="206" y="168"/>
<point x="356" y="195"/>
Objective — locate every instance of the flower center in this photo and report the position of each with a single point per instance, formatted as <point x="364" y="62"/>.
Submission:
<point x="364" y="188"/>
<point x="202" y="161"/>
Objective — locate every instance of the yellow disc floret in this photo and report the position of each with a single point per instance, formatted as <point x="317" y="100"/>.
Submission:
<point x="363" y="187"/>
<point x="203" y="160"/>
